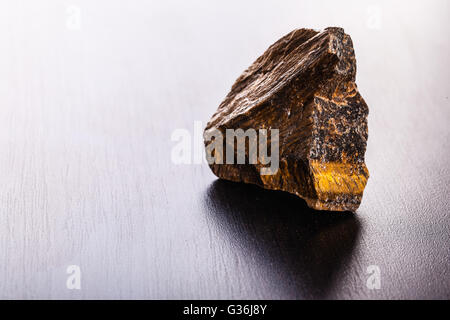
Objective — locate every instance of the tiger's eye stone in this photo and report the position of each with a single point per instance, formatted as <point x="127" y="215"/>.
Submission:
<point x="304" y="86"/>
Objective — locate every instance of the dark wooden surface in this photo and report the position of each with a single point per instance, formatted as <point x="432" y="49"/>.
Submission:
<point x="86" y="117"/>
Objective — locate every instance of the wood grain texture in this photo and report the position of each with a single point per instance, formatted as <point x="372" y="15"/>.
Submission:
<point x="86" y="118"/>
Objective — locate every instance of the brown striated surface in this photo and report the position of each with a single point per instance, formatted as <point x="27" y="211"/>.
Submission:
<point x="303" y="85"/>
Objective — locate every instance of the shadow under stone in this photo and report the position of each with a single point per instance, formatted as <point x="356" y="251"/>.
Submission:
<point x="302" y="250"/>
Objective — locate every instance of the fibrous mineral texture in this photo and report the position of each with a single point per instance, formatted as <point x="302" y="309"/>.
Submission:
<point x="303" y="85"/>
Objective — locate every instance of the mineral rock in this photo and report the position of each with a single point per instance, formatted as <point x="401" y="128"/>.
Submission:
<point x="303" y="86"/>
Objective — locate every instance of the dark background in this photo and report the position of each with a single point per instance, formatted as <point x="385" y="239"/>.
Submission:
<point x="87" y="110"/>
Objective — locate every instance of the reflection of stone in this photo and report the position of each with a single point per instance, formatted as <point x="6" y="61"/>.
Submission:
<point x="303" y="85"/>
<point x="300" y="251"/>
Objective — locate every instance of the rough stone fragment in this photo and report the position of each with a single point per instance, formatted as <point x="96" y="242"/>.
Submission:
<point x="303" y="85"/>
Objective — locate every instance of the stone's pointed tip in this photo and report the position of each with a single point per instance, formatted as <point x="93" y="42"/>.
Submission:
<point x="322" y="137"/>
<point x="335" y="29"/>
